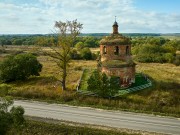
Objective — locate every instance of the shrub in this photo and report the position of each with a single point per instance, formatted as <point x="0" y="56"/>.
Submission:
<point x="86" y="53"/>
<point x="19" y="67"/>
<point x="4" y="88"/>
<point x="102" y="85"/>
<point x="177" y="60"/>
<point x="74" y="54"/>
<point x="14" y="118"/>
<point x="79" y="45"/>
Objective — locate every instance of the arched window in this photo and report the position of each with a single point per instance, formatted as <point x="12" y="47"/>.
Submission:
<point x="104" y="50"/>
<point x="127" y="50"/>
<point x="116" y="50"/>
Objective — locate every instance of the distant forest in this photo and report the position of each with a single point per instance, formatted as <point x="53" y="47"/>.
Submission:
<point x="89" y="39"/>
<point x="146" y="47"/>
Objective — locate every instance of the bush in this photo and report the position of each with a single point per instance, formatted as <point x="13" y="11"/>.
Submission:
<point x="4" y="88"/>
<point x="19" y="67"/>
<point x="74" y="54"/>
<point x="151" y="49"/>
<point x="102" y="85"/>
<point x="79" y="45"/>
<point x="177" y="60"/>
<point x="86" y="53"/>
<point x="14" y="118"/>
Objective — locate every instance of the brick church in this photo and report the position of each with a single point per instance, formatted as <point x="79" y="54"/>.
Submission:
<point x="115" y="57"/>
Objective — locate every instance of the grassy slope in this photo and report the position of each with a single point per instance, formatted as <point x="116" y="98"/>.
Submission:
<point x="163" y="97"/>
<point x="42" y="128"/>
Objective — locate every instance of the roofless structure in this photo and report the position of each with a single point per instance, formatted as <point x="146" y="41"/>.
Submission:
<point x="115" y="57"/>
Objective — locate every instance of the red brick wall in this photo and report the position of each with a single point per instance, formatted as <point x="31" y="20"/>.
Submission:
<point x="110" y="52"/>
<point x="126" y="74"/>
<point x="115" y="30"/>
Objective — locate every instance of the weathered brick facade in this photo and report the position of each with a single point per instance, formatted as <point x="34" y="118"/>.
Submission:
<point x="115" y="57"/>
<point x="109" y="55"/>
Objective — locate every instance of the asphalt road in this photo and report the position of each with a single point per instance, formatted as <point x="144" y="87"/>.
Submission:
<point x="116" y="119"/>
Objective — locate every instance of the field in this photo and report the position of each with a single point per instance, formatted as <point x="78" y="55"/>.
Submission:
<point x="162" y="98"/>
<point x="171" y="37"/>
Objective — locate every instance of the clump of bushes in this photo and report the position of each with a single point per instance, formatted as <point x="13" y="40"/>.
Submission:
<point x="83" y="53"/>
<point x="4" y="88"/>
<point x="177" y="60"/>
<point x="159" y="50"/>
<point x="10" y="119"/>
<point x="19" y="67"/>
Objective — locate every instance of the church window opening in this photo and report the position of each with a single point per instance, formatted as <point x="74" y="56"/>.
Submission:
<point x="104" y="50"/>
<point x="116" y="50"/>
<point x="127" y="50"/>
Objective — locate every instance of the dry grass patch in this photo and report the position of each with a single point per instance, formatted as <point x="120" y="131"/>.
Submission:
<point x="160" y="72"/>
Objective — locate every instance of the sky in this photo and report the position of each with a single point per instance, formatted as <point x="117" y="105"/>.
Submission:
<point x="97" y="16"/>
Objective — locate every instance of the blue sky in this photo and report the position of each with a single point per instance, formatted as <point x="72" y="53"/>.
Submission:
<point x="97" y="16"/>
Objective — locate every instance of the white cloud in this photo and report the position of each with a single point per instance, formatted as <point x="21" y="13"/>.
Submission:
<point x="96" y="16"/>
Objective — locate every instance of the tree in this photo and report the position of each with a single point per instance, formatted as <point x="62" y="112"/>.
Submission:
<point x="79" y="46"/>
<point x="86" y="53"/>
<point x="14" y="118"/>
<point x="91" y="42"/>
<point x="113" y="86"/>
<point x="95" y="82"/>
<point x="2" y="42"/>
<point x="103" y="85"/>
<point x="17" y="42"/>
<point x="74" y="54"/>
<point x="66" y="35"/>
<point x="19" y="67"/>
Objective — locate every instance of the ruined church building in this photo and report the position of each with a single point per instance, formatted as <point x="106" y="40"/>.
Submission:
<point x="115" y="57"/>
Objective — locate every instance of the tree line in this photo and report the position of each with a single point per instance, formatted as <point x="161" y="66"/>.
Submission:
<point x="45" y="40"/>
<point x="156" y="49"/>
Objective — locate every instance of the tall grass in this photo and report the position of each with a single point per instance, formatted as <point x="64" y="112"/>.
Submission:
<point x="42" y="128"/>
<point x="163" y="97"/>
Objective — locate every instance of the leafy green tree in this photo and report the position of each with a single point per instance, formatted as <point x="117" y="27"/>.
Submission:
<point x="91" y="42"/>
<point x="14" y="118"/>
<point x="168" y="57"/>
<point x="66" y="36"/>
<point x="2" y="42"/>
<point x="74" y="54"/>
<point x="95" y="82"/>
<point x="79" y="46"/>
<point x="177" y="60"/>
<point x="86" y="53"/>
<point x="17" y="115"/>
<point x="154" y="53"/>
<point x="103" y="85"/>
<point x="113" y="86"/>
<point x="17" y="42"/>
<point x="103" y="91"/>
<point x="8" y="42"/>
<point x="169" y="48"/>
<point x="19" y="67"/>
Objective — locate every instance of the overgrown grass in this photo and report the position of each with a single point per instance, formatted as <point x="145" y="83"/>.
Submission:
<point x="42" y="128"/>
<point x="139" y="80"/>
<point x="163" y="98"/>
<point x="85" y="76"/>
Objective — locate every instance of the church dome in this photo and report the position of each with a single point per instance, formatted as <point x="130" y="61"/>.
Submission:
<point x="115" y="38"/>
